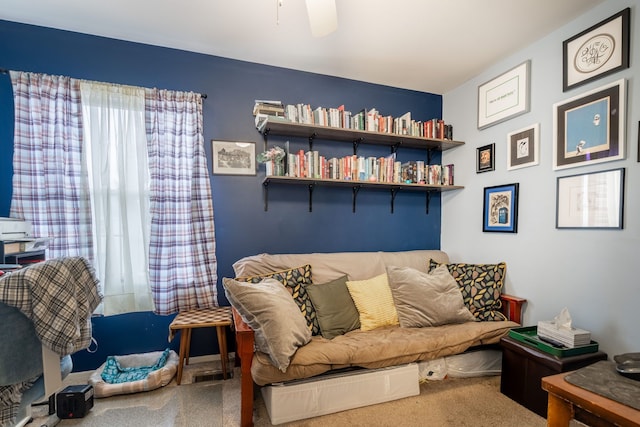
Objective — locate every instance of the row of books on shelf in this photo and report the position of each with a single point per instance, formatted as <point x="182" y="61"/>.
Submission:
<point x="338" y="117"/>
<point x="311" y="164"/>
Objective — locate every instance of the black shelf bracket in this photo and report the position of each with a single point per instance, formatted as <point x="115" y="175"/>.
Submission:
<point x="311" y="138"/>
<point x="394" y="192"/>
<point x="311" y="197"/>
<point x="356" y="144"/>
<point x="265" y="195"/>
<point x="429" y="155"/>
<point x="265" y="138"/>
<point x="428" y="200"/>
<point x="356" y="189"/>
<point x="394" y="147"/>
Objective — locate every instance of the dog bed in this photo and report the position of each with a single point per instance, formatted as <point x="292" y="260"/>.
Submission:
<point x="155" y="379"/>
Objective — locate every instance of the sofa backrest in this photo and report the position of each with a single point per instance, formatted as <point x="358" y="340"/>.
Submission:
<point x="329" y="266"/>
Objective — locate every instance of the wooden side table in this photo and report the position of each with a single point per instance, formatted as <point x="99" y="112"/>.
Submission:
<point x="524" y="366"/>
<point x="567" y="402"/>
<point x="186" y="321"/>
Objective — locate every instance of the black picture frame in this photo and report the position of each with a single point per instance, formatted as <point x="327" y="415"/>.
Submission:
<point x="500" y="209"/>
<point x="593" y="200"/>
<point x="596" y="52"/>
<point x="590" y="128"/>
<point x="485" y="158"/>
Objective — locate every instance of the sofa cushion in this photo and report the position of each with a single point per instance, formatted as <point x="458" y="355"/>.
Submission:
<point x="427" y="299"/>
<point x="334" y="307"/>
<point x="481" y="286"/>
<point x="295" y="280"/>
<point x="267" y="307"/>
<point x="374" y="302"/>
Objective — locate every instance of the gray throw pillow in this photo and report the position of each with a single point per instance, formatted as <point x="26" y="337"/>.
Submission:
<point x="268" y="308"/>
<point x="427" y="299"/>
<point x="336" y="312"/>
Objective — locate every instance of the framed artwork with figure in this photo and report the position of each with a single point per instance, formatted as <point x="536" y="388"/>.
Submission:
<point x="590" y="128"/>
<point x="523" y="147"/>
<point x="500" y="210"/>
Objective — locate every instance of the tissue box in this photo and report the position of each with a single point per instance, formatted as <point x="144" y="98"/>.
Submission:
<point x="529" y="336"/>
<point x="568" y="337"/>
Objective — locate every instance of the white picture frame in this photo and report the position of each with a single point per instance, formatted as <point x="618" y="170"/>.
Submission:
<point x="523" y="147"/>
<point x="505" y="96"/>
<point x="591" y="200"/>
<point x="233" y="157"/>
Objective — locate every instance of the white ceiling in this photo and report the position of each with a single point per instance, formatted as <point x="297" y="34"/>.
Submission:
<point x="425" y="45"/>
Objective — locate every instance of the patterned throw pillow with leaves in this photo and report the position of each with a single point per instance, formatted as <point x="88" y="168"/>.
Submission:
<point x="294" y="279"/>
<point x="481" y="286"/>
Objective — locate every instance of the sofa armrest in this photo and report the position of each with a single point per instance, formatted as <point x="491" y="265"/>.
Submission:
<point x="244" y="351"/>
<point x="512" y="307"/>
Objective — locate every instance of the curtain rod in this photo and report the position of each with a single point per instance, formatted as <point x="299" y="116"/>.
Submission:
<point x="5" y="71"/>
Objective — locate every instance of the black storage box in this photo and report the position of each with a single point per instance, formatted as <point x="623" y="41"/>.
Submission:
<point x="74" y="401"/>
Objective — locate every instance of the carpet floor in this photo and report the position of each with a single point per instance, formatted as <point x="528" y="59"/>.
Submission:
<point x="464" y="402"/>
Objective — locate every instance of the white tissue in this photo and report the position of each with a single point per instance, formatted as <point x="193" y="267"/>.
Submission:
<point x="563" y="320"/>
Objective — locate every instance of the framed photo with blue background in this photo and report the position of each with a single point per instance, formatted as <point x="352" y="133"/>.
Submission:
<point x="590" y="128"/>
<point x="500" y="210"/>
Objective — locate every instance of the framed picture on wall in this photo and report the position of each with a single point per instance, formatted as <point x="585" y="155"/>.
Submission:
<point x="505" y="96"/>
<point x="500" y="209"/>
<point x="523" y="147"/>
<point x="590" y="128"/>
<point x="590" y="200"/>
<point x="233" y="158"/>
<point x="597" y="51"/>
<point x="485" y="158"/>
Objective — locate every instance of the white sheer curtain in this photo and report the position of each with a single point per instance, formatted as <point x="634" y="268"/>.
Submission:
<point x="115" y="158"/>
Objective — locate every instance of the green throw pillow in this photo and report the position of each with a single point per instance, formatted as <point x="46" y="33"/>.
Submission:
<point x="335" y="310"/>
<point x="295" y="280"/>
<point x="481" y="286"/>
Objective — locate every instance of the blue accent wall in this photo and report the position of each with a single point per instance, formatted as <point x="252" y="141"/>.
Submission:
<point x="242" y="226"/>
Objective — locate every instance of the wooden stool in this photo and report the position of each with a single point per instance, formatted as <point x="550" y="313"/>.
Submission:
<point x="218" y="317"/>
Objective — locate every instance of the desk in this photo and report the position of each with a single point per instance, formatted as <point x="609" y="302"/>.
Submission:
<point x="218" y="317"/>
<point x="567" y="402"/>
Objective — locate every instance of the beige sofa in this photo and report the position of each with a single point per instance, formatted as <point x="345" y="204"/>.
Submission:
<point x="380" y="347"/>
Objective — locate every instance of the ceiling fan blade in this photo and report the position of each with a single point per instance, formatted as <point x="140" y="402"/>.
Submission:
<point x="323" y="17"/>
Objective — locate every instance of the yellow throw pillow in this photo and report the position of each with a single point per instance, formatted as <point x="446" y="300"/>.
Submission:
<point x="374" y="302"/>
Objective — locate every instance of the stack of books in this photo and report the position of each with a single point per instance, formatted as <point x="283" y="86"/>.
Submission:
<point x="561" y="336"/>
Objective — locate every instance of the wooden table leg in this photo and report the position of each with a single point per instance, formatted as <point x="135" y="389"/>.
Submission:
<point x="559" y="412"/>
<point x="188" y="335"/>
<point x="222" y="344"/>
<point x="183" y="347"/>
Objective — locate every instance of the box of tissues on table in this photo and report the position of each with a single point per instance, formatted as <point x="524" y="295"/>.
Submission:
<point x="560" y="332"/>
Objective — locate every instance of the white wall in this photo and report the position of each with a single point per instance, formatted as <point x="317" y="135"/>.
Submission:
<point x="592" y="272"/>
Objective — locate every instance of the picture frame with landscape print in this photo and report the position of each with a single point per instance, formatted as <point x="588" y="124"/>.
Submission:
<point x="505" y="96"/>
<point x="523" y="147"/>
<point x="500" y="209"/>
<point x="597" y="51"/>
<point x="233" y="157"/>
<point x="485" y="158"/>
<point x="590" y="128"/>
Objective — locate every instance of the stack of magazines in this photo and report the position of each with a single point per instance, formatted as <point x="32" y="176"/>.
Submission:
<point x="562" y="336"/>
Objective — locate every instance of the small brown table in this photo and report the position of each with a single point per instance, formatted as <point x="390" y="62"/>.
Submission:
<point x="218" y="317"/>
<point x="524" y="366"/>
<point x="567" y="402"/>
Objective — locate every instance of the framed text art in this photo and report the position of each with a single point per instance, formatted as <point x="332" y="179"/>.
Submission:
<point x="591" y="200"/>
<point x="505" y="96"/>
<point x="597" y="51"/>
<point x="590" y="128"/>
<point x="523" y="147"/>
<point x="234" y="158"/>
<point x="500" y="210"/>
<point x="485" y="158"/>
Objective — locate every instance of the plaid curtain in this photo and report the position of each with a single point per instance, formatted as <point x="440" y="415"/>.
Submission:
<point x="49" y="188"/>
<point x="182" y="259"/>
